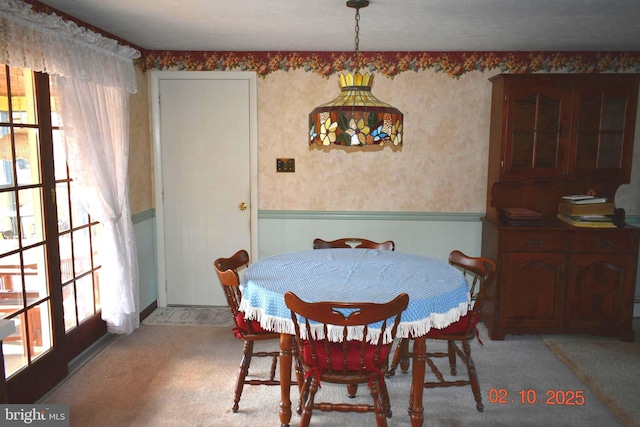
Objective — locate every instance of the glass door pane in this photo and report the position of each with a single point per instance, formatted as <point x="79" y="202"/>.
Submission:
<point x="601" y="132"/>
<point x="78" y="240"/>
<point x="24" y="278"/>
<point x="536" y="129"/>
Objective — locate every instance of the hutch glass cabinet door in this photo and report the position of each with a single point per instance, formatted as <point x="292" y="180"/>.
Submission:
<point x="604" y="132"/>
<point x="535" y="131"/>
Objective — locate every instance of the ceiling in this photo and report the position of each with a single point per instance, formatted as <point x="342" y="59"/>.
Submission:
<point x="385" y="25"/>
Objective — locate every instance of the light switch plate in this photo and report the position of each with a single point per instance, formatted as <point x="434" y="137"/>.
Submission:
<point x="285" y="165"/>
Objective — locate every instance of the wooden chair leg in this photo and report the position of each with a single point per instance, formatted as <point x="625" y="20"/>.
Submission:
<point x="400" y="357"/>
<point x="307" y="409"/>
<point x="304" y="394"/>
<point x="451" y="346"/>
<point x="242" y="373"/>
<point x="297" y="363"/>
<point x="473" y="376"/>
<point x="379" y="406"/>
<point x="410" y="408"/>
<point x="352" y="390"/>
<point x="384" y="393"/>
<point x="404" y="360"/>
<point x="274" y="365"/>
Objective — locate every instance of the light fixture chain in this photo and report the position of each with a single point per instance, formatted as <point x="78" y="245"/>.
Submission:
<point x="357" y="40"/>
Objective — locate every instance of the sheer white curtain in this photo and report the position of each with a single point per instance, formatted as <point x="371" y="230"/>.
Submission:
<point x="94" y="76"/>
<point x="96" y="132"/>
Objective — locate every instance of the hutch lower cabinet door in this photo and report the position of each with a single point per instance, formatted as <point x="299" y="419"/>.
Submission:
<point x="561" y="279"/>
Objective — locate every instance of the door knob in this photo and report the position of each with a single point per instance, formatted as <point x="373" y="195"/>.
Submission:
<point x="243" y="206"/>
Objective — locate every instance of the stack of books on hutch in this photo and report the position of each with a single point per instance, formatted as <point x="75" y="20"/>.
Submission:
<point x="587" y="211"/>
<point x="520" y="217"/>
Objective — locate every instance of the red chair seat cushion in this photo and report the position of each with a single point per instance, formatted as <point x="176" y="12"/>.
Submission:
<point x="458" y="327"/>
<point x="353" y="355"/>
<point x="244" y="326"/>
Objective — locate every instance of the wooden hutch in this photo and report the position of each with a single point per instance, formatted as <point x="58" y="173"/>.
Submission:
<point x="553" y="135"/>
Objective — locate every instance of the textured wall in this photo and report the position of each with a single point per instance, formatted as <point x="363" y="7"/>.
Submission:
<point x="140" y="152"/>
<point x="440" y="168"/>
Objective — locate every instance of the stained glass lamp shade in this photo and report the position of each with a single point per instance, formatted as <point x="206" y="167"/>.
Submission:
<point x="355" y="117"/>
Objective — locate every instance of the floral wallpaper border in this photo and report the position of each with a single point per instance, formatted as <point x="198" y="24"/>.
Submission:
<point x="391" y="64"/>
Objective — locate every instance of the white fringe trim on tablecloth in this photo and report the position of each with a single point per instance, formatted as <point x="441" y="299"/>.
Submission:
<point x="278" y="324"/>
<point x="435" y="320"/>
<point x="405" y="330"/>
<point x="269" y="323"/>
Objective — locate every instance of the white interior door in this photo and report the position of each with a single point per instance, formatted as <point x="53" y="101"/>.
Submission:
<point x="206" y="150"/>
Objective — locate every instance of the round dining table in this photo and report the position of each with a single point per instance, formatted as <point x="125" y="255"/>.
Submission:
<point x="438" y="296"/>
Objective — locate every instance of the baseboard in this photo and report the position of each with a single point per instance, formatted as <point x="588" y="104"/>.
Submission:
<point x="147" y="311"/>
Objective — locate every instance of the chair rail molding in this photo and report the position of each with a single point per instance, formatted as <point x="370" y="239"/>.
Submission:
<point x="370" y="216"/>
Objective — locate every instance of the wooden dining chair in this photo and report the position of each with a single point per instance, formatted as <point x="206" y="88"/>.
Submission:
<point x="247" y="330"/>
<point x="353" y="242"/>
<point x="321" y="330"/>
<point x="480" y="273"/>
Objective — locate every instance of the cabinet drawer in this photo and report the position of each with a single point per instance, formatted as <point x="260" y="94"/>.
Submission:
<point x="603" y="242"/>
<point x="538" y="241"/>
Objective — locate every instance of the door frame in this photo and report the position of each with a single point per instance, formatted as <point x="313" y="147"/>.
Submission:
<point x="155" y="78"/>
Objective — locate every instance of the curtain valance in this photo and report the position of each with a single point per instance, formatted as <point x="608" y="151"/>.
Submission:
<point x="49" y="44"/>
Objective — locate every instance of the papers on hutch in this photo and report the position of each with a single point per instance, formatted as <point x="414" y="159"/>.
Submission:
<point x="583" y="199"/>
<point x="587" y="211"/>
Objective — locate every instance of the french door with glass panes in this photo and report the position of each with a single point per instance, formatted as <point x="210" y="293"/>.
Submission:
<point x="49" y="266"/>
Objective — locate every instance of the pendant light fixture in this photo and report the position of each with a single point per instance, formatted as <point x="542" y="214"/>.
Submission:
<point x="355" y="117"/>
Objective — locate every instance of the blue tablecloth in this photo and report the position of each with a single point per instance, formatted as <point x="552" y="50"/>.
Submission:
<point x="438" y="292"/>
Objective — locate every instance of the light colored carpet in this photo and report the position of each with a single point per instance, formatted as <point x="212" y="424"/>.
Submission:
<point x="167" y="376"/>
<point x="609" y="367"/>
<point x="190" y="316"/>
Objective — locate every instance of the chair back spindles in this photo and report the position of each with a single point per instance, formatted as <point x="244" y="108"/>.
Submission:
<point x="345" y="343"/>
